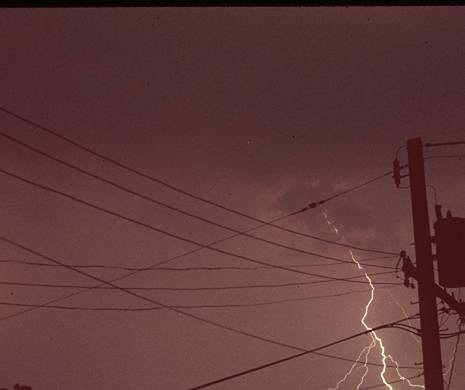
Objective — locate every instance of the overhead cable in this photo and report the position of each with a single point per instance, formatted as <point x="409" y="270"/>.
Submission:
<point x="203" y="288"/>
<point x="179" y="269"/>
<point x="179" y="311"/>
<point x="169" y="234"/>
<point x="310" y="205"/>
<point x="292" y="357"/>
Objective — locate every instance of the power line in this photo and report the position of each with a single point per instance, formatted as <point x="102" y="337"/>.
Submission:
<point x="178" y="210"/>
<point x="326" y="355"/>
<point x="330" y="356"/>
<point x="445" y="156"/>
<point x="186" y="193"/>
<point x="185" y="239"/>
<point x="202" y="306"/>
<point x="409" y="329"/>
<point x="134" y="272"/>
<point x="433" y="144"/>
<point x="356" y="187"/>
<point x="451" y="335"/>
<point x="201" y="319"/>
<point x="179" y="269"/>
<point x="119" y="278"/>
<point x="213" y="288"/>
<point x="336" y="357"/>
<point x="292" y="357"/>
<point x="147" y="299"/>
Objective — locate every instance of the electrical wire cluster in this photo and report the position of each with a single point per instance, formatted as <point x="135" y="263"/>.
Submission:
<point x="101" y="283"/>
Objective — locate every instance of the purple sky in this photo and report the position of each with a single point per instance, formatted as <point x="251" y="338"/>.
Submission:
<point x="260" y="109"/>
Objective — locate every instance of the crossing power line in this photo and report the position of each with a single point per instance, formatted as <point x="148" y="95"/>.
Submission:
<point x="178" y="237"/>
<point x="134" y="272"/>
<point x="201" y="306"/>
<point x="212" y="288"/>
<point x="189" y="194"/>
<point x="179" y="210"/>
<point x="295" y="356"/>
<point x="187" y="213"/>
<point x="180" y="269"/>
<point x="150" y="300"/>
<point x="312" y="205"/>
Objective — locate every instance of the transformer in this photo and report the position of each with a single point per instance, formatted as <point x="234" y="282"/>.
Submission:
<point x="450" y="251"/>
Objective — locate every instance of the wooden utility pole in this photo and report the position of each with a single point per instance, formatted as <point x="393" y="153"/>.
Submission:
<point x="431" y="344"/>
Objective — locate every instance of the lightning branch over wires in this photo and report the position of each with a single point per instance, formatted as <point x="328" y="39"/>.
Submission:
<point x="295" y="356"/>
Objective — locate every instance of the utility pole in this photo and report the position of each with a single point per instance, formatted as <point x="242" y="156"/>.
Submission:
<point x="431" y="344"/>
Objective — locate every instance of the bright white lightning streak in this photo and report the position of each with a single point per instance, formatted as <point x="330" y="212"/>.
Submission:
<point x="349" y="373"/>
<point x="365" y="373"/>
<point x="375" y="339"/>
<point x="401" y="377"/>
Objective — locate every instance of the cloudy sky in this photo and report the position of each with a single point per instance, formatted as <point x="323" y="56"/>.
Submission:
<point x="261" y="110"/>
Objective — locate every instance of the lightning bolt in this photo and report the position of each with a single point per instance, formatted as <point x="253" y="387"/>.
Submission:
<point x="375" y="339"/>
<point x="365" y="350"/>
